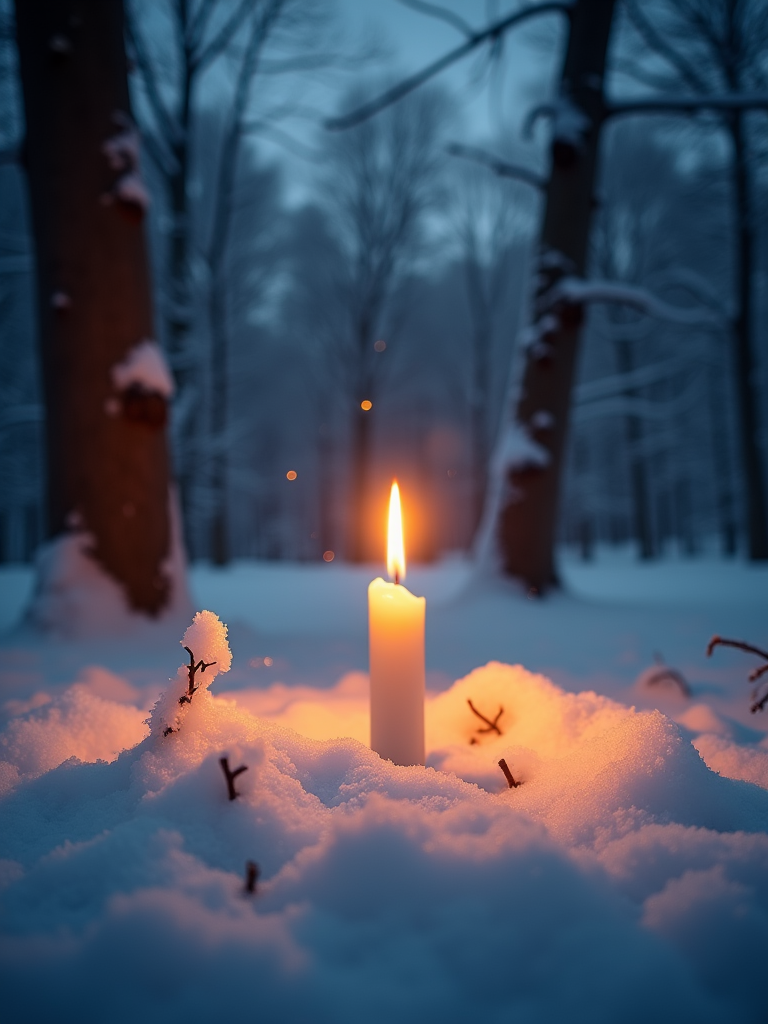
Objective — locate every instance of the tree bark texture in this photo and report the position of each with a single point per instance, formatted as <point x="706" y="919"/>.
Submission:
<point x="529" y="511"/>
<point x="107" y="458"/>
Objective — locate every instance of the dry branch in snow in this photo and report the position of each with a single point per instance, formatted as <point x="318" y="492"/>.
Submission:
<point x="508" y="775"/>
<point x="230" y="776"/>
<point x="719" y="641"/>
<point x="490" y="726"/>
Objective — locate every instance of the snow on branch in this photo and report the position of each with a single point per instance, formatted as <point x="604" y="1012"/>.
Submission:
<point x="490" y="34"/>
<point x="502" y="168"/>
<point x="689" y="104"/>
<point x="621" y="383"/>
<point x="578" y="291"/>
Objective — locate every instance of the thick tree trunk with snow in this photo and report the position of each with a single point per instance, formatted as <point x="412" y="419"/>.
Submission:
<point x="532" y="455"/>
<point x="107" y="456"/>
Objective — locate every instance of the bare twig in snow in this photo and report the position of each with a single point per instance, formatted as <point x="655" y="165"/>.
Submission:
<point x="491" y="726"/>
<point x="251" y="877"/>
<point x="508" y="775"/>
<point x="755" y="674"/>
<point x="665" y="673"/>
<point x="192" y="670"/>
<point x="230" y="776"/>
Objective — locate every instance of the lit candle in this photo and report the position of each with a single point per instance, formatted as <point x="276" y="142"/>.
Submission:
<point x="396" y="651"/>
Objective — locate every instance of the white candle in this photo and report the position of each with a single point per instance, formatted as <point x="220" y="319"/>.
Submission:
<point x="396" y="653"/>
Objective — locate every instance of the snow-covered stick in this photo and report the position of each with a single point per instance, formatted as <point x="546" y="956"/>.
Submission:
<point x="205" y="641"/>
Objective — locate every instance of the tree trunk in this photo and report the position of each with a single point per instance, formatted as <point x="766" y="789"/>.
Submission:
<point x="107" y="460"/>
<point x="527" y="518"/>
<point x="360" y="468"/>
<point x="745" y="370"/>
<point x="638" y="475"/>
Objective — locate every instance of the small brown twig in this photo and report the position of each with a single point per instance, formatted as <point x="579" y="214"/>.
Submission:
<point x="719" y="641"/>
<point x="230" y="776"/>
<point x="491" y="726"/>
<point x="508" y="775"/>
<point x="251" y="876"/>
<point x="665" y="672"/>
<point x="192" y="669"/>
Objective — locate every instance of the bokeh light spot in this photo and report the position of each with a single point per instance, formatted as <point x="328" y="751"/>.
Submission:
<point x="380" y="345"/>
<point x="291" y="474"/>
<point x="366" y="405"/>
<point x="328" y="556"/>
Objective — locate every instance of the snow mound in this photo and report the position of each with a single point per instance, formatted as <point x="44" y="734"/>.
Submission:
<point x="623" y="880"/>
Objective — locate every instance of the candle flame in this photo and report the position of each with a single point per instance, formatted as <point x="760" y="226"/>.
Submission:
<point x="395" y="546"/>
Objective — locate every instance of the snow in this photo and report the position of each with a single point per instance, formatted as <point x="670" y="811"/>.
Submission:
<point x="144" y="366"/>
<point x="576" y="289"/>
<point x="623" y="880"/>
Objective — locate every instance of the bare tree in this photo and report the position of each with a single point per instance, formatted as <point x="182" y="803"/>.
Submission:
<point x="522" y="511"/>
<point x="107" y="459"/>
<point x="488" y="217"/>
<point x="712" y="47"/>
<point x="204" y="33"/>
<point x="381" y="183"/>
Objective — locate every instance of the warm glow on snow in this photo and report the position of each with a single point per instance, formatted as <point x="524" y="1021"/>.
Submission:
<point x="395" y="546"/>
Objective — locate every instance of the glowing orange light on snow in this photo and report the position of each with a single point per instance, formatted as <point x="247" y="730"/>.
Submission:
<point x="395" y="545"/>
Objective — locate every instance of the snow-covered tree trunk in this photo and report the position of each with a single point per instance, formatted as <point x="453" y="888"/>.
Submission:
<point x="533" y="440"/>
<point x="106" y="387"/>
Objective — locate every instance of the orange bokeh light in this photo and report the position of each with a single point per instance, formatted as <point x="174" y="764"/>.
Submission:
<point x="328" y="556"/>
<point x="395" y="545"/>
<point x="291" y="474"/>
<point x="366" y="405"/>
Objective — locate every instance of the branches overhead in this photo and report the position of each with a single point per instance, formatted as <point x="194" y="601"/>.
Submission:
<point x="490" y="34"/>
<point x="689" y="104"/>
<point x="500" y="167"/>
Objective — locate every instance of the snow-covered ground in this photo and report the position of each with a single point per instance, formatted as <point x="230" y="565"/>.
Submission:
<point x="624" y="879"/>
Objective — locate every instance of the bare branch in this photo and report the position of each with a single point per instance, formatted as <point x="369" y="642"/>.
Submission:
<point x="688" y="104"/>
<point x="491" y="726"/>
<point x="230" y="776"/>
<point x="165" y="120"/>
<point x="205" y="56"/>
<point x="718" y="641"/>
<point x="442" y="13"/>
<point x="402" y="89"/>
<point x="500" y="167"/>
<point x="662" y="47"/>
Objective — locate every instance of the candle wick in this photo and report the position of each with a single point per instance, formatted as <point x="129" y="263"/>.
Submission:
<point x="397" y="577"/>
